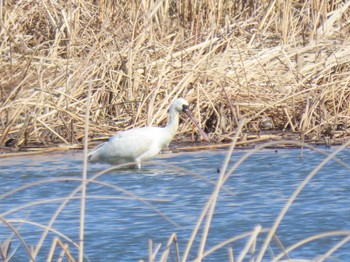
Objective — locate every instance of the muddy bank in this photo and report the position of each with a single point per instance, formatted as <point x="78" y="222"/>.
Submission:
<point x="184" y="144"/>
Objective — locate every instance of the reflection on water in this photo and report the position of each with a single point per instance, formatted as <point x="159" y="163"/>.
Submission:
<point x="118" y="227"/>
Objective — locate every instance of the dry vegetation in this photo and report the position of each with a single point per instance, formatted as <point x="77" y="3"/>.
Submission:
<point x="280" y="62"/>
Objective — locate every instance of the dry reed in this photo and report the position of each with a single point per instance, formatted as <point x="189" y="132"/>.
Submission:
<point x="282" y="61"/>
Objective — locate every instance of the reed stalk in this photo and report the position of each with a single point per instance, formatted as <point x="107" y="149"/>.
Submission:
<point x="84" y="179"/>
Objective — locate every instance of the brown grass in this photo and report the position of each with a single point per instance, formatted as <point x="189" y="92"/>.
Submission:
<point x="284" y="61"/>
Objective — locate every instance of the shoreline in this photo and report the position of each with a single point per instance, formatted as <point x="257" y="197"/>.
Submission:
<point x="187" y="145"/>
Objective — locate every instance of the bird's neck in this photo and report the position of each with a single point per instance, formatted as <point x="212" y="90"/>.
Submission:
<point x="173" y="123"/>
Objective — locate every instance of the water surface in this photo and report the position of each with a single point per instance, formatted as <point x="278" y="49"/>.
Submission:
<point x="118" y="227"/>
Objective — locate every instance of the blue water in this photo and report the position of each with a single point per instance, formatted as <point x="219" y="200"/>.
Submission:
<point x="176" y="188"/>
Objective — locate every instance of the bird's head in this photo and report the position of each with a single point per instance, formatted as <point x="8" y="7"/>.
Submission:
<point x="180" y="105"/>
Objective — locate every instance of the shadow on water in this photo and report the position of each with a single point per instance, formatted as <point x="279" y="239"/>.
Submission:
<point x="119" y="224"/>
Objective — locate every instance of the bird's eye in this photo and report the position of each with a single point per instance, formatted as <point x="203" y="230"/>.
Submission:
<point x="184" y="108"/>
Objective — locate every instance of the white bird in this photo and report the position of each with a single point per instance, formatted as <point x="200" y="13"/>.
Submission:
<point x="141" y="144"/>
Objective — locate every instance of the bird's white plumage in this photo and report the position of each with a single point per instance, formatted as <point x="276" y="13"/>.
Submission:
<point x="135" y="145"/>
<point x="139" y="144"/>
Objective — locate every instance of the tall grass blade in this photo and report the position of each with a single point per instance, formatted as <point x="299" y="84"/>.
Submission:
<point x="84" y="178"/>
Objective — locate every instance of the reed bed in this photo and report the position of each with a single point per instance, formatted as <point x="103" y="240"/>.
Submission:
<point x="284" y="62"/>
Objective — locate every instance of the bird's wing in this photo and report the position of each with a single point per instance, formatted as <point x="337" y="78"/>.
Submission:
<point x="131" y="143"/>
